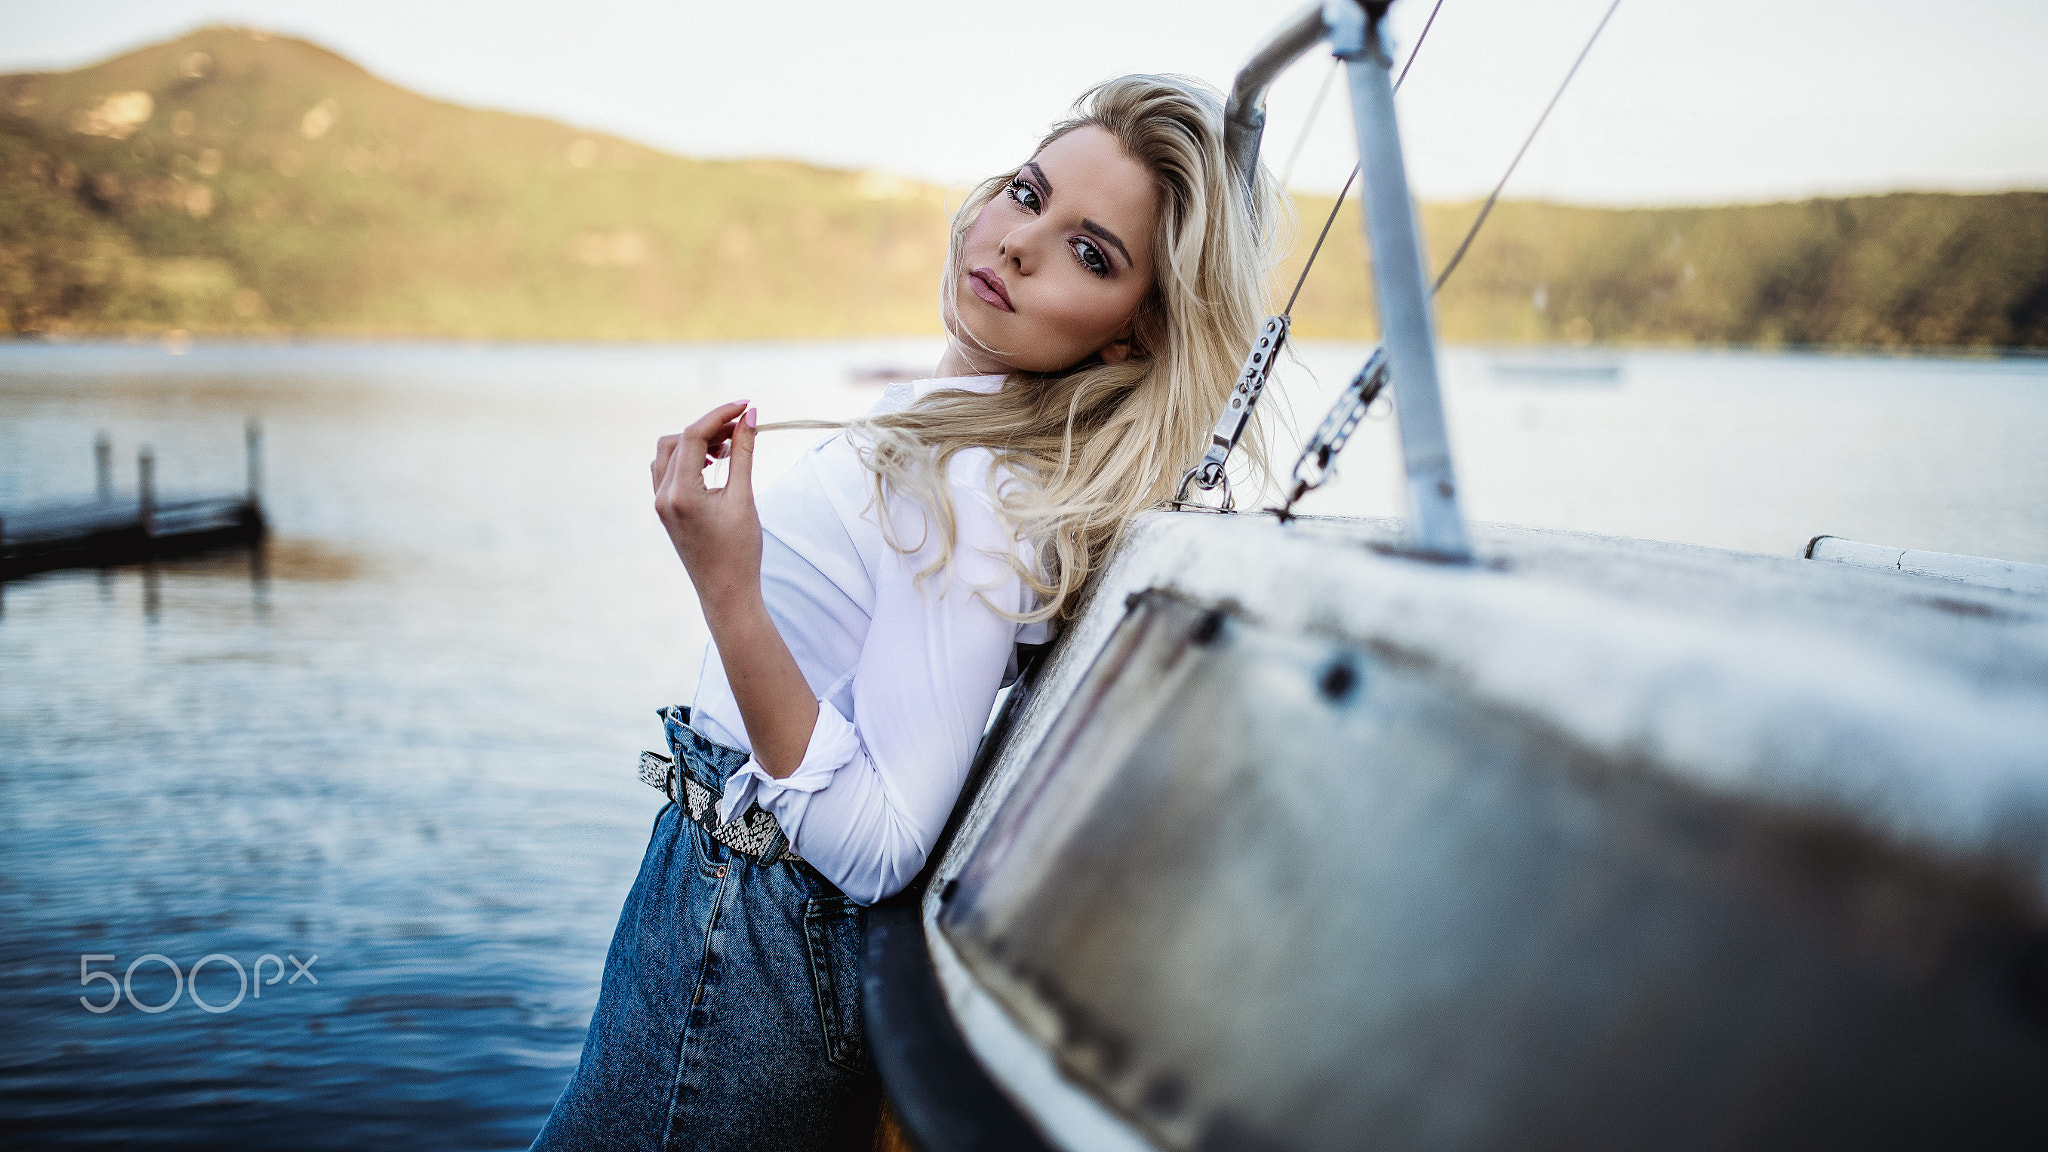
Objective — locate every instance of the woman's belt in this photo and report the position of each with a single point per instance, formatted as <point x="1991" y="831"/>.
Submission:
<point x="752" y="833"/>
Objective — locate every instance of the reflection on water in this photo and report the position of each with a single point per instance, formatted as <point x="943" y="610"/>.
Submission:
<point x="396" y="745"/>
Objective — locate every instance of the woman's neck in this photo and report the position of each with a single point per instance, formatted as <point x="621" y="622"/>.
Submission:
<point x="958" y="361"/>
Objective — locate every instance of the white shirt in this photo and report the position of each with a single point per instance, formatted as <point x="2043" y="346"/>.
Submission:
<point x="905" y="670"/>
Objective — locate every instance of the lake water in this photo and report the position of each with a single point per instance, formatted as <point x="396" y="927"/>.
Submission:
<point x="401" y="739"/>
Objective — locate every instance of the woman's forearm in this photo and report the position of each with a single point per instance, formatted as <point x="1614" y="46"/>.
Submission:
<point x="717" y="534"/>
<point x="775" y="701"/>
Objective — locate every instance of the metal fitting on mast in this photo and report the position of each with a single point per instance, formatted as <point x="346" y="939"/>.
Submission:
<point x="1436" y="528"/>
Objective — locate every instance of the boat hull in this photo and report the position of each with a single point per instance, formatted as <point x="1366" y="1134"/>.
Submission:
<point x="1300" y="844"/>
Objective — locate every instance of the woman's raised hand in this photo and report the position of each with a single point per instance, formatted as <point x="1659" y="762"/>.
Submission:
<point x="717" y="532"/>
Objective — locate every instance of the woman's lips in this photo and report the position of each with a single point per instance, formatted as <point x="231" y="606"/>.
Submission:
<point x="989" y="287"/>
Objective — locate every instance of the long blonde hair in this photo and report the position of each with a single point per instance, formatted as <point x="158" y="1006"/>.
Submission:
<point x="1099" y="443"/>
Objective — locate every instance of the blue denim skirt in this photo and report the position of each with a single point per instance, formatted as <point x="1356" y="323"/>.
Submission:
<point x="729" y="1016"/>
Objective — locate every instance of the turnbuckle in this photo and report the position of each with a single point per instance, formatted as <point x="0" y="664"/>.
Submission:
<point x="1318" y="459"/>
<point x="1210" y="473"/>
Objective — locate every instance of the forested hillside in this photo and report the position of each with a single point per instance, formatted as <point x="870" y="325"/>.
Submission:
<point x="230" y="181"/>
<point x="1904" y="270"/>
<point x="234" y="182"/>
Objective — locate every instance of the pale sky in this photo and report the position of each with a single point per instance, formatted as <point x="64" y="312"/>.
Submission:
<point x="1681" y="102"/>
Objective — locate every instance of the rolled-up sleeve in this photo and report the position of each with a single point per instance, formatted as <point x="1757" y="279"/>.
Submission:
<point x="873" y="790"/>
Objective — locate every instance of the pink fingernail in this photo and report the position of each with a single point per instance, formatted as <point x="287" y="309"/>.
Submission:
<point x="753" y="414"/>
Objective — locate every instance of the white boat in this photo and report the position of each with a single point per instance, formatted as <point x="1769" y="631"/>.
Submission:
<point x="1331" y="833"/>
<point x="1551" y="367"/>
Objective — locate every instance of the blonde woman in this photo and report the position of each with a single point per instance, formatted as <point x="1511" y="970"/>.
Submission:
<point x="865" y="609"/>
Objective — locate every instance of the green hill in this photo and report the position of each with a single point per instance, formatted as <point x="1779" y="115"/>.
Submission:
<point x="1896" y="271"/>
<point x="262" y="184"/>
<point x="231" y="181"/>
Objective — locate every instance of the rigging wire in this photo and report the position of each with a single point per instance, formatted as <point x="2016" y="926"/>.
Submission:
<point x="1485" y="209"/>
<point x="1466" y="244"/>
<point x="1315" y="106"/>
<point x="1348" y="180"/>
<point x="1357" y="399"/>
<point x="1320" y="237"/>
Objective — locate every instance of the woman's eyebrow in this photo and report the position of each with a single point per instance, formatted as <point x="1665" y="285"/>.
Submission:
<point x="1106" y="234"/>
<point x="1090" y="225"/>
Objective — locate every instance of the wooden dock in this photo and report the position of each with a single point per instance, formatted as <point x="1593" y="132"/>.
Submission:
<point x="106" y="530"/>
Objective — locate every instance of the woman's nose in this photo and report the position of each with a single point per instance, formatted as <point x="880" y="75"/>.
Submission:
<point x="1022" y="247"/>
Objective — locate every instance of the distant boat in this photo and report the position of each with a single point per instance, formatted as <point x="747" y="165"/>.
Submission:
<point x="882" y="377"/>
<point x="1557" y="367"/>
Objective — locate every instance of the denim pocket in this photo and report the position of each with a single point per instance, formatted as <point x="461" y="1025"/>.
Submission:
<point x="832" y="928"/>
<point x="711" y="855"/>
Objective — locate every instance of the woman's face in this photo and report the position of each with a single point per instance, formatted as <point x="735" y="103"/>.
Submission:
<point x="1054" y="268"/>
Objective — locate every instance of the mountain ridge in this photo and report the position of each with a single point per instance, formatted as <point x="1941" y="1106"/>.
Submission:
<point x="237" y="182"/>
<point x="269" y="185"/>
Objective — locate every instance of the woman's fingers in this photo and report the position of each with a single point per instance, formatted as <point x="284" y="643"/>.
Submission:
<point x="680" y="460"/>
<point x="720" y="445"/>
<point x="689" y="449"/>
<point x="719" y="448"/>
<point x="705" y="431"/>
<point x="740" y="479"/>
<point x="664" y="451"/>
<point x="699" y="438"/>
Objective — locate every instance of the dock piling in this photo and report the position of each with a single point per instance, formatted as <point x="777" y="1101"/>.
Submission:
<point x="252" y="446"/>
<point x="102" y="530"/>
<point x="145" y="477"/>
<point x="103" y="466"/>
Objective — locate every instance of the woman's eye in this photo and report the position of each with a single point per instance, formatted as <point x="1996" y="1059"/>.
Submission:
<point x="1025" y="195"/>
<point x="1091" y="257"/>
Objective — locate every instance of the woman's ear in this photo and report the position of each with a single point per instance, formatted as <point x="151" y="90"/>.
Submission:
<point x="1127" y="346"/>
<point x="1124" y="347"/>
